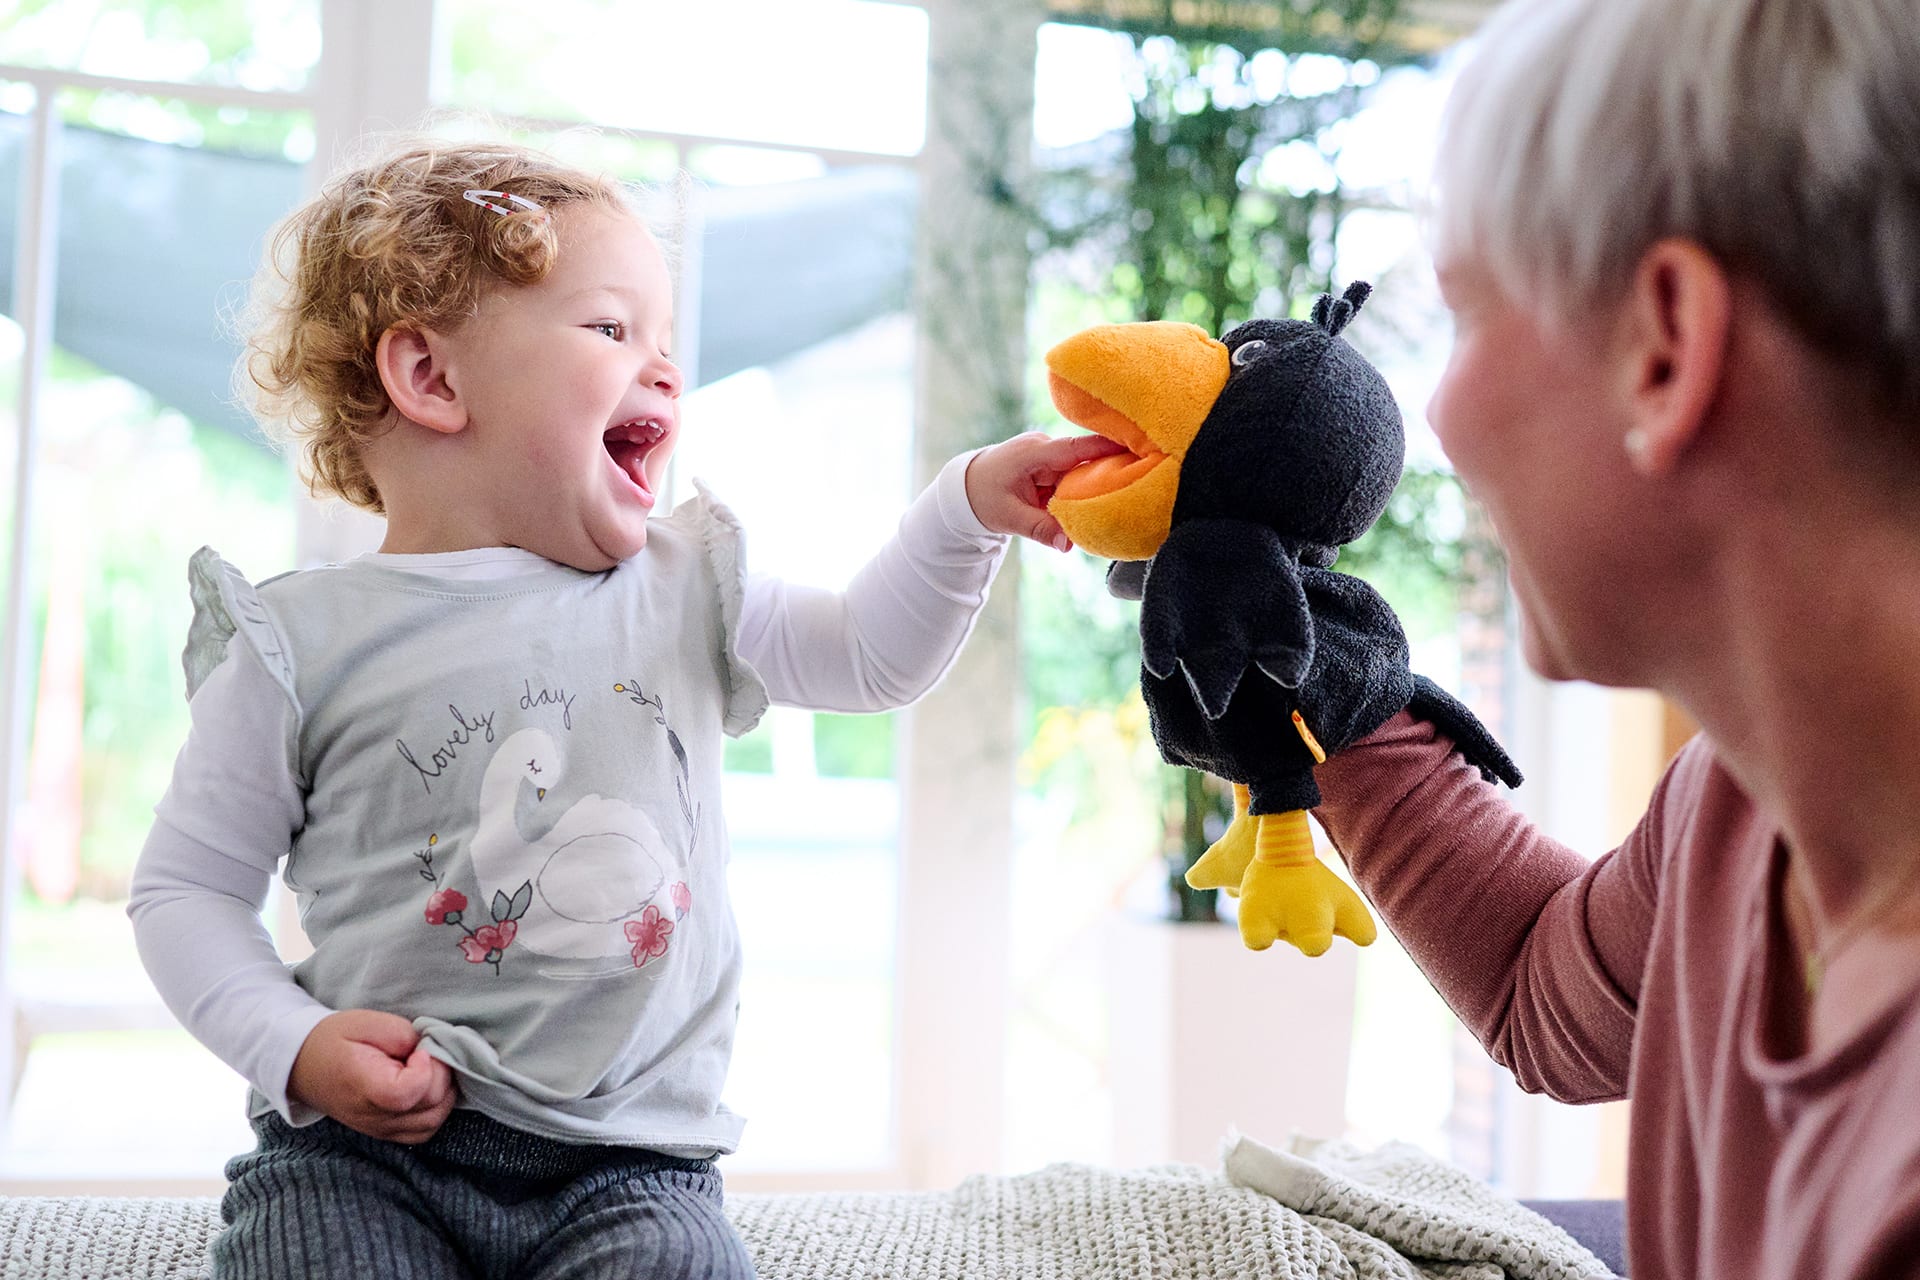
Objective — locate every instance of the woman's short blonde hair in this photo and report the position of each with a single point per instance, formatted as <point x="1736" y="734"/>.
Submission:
<point x="393" y="242"/>
<point x="1782" y="135"/>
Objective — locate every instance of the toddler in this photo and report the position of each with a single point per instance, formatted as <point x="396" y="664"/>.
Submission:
<point x="487" y="757"/>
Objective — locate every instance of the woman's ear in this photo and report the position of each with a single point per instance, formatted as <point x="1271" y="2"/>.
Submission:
<point x="414" y="372"/>
<point x="1677" y="314"/>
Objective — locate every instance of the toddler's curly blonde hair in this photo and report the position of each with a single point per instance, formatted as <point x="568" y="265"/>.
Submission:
<point x="393" y="242"/>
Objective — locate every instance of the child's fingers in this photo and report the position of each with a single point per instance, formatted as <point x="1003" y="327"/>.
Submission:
<point x="394" y="1086"/>
<point x="410" y="1127"/>
<point x="412" y="1130"/>
<point x="1084" y="448"/>
<point x="442" y="1104"/>
<point x="1047" y="530"/>
<point x="1010" y="484"/>
<point x="1062" y="455"/>
<point x="440" y="1089"/>
<point x="390" y="1033"/>
<point x="421" y="1081"/>
<point x="422" y="1121"/>
<point x="1053" y="459"/>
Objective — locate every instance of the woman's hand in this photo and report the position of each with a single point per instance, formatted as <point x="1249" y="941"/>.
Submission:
<point x="371" y="1071"/>
<point x="1008" y="484"/>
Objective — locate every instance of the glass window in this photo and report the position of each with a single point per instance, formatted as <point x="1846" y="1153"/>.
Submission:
<point x="15" y="132"/>
<point x="651" y="162"/>
<point x="246" y="44"/>
<point x="834" y="74"/>
<point x="809" y="446"/>
<point x="1099" y="812"/>
<point x="143" y="457"/>
<point x="793" y="266"/>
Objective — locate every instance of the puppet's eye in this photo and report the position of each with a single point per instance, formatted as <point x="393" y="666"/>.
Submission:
<point x="1247" y="352"/>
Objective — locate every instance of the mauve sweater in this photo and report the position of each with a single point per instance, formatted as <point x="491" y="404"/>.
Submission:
<point x="1660" y="972"/>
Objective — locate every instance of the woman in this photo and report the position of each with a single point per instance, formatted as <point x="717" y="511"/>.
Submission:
<point x="1681" y="243"/>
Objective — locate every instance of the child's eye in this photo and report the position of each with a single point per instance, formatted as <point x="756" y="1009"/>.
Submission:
<point x="612" y="328"/>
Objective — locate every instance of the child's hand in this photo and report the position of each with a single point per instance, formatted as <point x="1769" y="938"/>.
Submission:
<point x="371" y="1072"/>
<point x="1008" y="484"/>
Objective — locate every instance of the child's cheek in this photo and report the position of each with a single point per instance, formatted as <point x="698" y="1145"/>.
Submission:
<point x="540" y="453"/>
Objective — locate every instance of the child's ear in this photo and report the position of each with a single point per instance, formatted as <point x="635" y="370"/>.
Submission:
<point x="414" y="372"/>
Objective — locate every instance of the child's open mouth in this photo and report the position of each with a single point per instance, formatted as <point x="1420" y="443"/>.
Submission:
<point x="629" y="444"/>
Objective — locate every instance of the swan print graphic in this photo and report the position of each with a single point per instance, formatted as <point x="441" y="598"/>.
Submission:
<point x="589" y="888"/>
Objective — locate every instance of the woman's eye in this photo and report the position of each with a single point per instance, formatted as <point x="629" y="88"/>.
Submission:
<point x="1247" y="352"/>
<point x="612" y="328"/>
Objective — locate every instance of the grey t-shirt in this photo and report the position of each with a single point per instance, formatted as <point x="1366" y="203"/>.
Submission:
<point x="512" y="832"/>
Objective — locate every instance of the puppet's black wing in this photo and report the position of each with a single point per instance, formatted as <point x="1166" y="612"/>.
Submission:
<point x="1451" y="717"/>
<point x="1223" y="596"/>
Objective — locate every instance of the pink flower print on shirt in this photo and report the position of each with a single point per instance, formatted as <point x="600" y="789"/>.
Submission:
<point x="682" y="900"/>
<point x="648" y="935"/>
<point x="445" y="906"/>
<point x="484" y="945"/>
<point x="489" y="942"/>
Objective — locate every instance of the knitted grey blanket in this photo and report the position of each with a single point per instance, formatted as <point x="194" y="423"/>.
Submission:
<point x="1315" y="1210"/>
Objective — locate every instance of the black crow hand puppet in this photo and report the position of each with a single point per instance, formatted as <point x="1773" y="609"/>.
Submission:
<point x="1251" y="461"/>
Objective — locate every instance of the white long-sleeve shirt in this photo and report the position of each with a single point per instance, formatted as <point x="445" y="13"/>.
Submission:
<point x="238" y="799"/>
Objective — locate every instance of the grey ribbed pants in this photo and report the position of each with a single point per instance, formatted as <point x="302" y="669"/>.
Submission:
<point x="476" y="1201"/>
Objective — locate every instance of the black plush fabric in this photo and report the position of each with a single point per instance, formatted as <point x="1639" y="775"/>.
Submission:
<point x="1304" y="438"/>
<point x="1241" y="620"/>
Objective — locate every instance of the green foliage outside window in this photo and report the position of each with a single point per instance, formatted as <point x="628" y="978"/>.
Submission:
<point x="147" y="473"/>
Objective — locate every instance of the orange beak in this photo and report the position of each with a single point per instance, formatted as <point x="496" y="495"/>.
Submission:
<point x="1147" y="386"/>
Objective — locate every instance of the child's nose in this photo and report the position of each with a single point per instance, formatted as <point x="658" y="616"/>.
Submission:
<point x="666" y="377"/>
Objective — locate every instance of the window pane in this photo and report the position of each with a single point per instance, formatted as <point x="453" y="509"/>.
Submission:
<point x="820" y="73"/>
<point x="648" y="161"/>
<point x="14" y="134"/>
<point x="816" y="838"/>
<point x="1100" y="811"/>
<point x="794" y="335"/>
<point x="803" y="428"/>
<point x="249" y="44"/>
<point x="143" y="458"/>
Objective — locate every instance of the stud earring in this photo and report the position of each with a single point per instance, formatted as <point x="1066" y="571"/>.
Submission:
<point x="1639" y="446"/>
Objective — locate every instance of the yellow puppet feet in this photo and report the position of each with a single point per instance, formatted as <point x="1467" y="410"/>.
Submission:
<point x="1288" y="894"/>
<point x="1225" y="862"/>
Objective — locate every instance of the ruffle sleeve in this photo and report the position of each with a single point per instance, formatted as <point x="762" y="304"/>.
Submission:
<point x="720" y="534"/>
<point x="226" y="605"/>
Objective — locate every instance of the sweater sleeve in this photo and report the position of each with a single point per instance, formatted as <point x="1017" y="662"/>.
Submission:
<point x="198" y="889"/>
<point x="1539" y="953"/>
<point x="896" y="629"/>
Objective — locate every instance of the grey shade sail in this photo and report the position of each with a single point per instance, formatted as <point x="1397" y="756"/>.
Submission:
<point x="157" y="243"/>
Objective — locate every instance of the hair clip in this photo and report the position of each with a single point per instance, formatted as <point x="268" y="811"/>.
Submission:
<point x="481" y="198"/>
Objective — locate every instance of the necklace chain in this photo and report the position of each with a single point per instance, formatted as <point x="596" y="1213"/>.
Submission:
<point x="1821" y="954"/>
